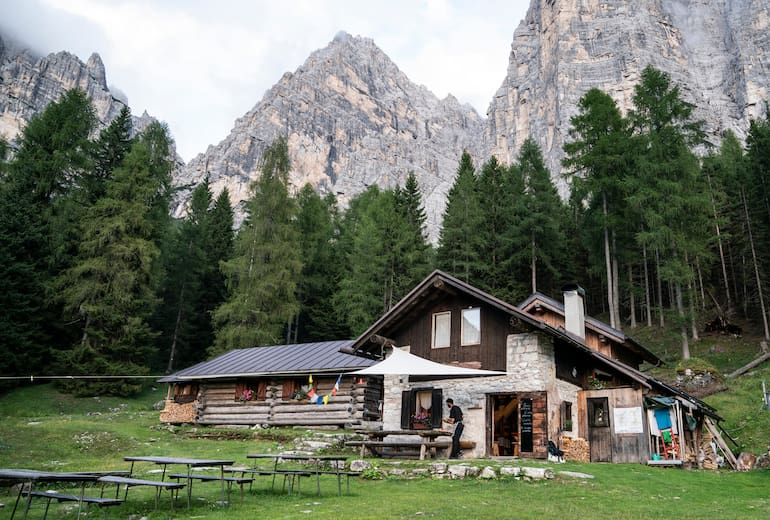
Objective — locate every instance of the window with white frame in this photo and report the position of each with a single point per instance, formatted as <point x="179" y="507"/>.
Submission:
<point x="442" y="327"/>
<point x="471" y="327"/>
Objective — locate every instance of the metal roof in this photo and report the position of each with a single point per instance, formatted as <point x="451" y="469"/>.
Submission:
<point x="302" y="358"/>
<point x="597" y="325"/>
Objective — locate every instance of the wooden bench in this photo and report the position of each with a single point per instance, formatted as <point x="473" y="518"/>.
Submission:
<point x="66" y="497"/>
<point x="377" y="448"/>
<point x="130" y="482"/>
<point x="214" y="478"/>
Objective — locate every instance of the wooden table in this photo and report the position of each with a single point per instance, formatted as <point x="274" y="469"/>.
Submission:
<point x="31" y="477"/>
<point x="428" y="441"/>
<point x="189" y="463"/>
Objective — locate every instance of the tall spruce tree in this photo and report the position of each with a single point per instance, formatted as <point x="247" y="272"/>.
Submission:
<point x="110" y="289"/>
<point x="543" y="222"/>
<point x="262" y="276"/>
<point x="460" y="239"/>
<point x="322" y="269"/>
<point x="365" y="290"/>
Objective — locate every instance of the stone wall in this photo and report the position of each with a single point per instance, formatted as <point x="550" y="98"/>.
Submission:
<point x="530" y="368"/>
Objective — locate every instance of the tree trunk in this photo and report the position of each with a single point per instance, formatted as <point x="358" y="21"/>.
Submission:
<point x="662" y="321"/>
<point x="631" y="295"/>
<point x="682" y="327"/>
<point x="615" y="285"/>
<point x="756" y="271"/>
<point x="534" y="264"/>
<point x="172" y="354"/>
<point x="647" y="297"/>
<point x="721" y="249"/>
<point x="608" y="262"/>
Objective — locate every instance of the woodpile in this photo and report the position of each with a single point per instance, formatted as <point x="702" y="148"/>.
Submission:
<point x="709" y="458"/>
<point x="576" y="449"/>
<point x="175" y="413"/>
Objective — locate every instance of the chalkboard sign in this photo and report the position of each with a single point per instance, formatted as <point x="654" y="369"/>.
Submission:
<point x="525" y="413"/>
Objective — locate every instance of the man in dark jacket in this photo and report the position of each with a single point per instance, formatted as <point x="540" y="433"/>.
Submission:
<point x="456" y="420"/>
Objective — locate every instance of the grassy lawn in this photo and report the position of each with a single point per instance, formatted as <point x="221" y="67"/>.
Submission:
<point x="43" y="429"/>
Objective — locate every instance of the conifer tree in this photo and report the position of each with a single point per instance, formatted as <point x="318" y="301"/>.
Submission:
<point x="322" y="268"/>
<point x="36" y="232"/>
<point x="597" y="160"/>
<point x="543" y="222"/>
<point x="110" y="290"/>
<point x="263" y="274"/>
<point x="460" y="237"/>
<point x="667" y="185"/>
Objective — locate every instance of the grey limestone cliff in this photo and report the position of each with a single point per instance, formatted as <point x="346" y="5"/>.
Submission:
<point x="351" y="119"/>
<point x="28" y="83"/>
<point x="715" y="50"/>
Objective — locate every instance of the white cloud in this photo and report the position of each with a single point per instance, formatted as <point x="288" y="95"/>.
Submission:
<point x="199" y="65"/>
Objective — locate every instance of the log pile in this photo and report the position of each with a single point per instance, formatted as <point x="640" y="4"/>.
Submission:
<point x="709" y="457"/>
<point x="576" y="449"/>
<point x="175" y="413"/>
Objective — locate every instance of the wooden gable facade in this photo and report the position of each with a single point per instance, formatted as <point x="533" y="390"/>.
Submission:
<point x="585" y="394"/>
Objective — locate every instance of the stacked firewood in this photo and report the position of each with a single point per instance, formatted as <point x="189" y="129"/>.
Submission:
<point x="175" y="413"/>
<point x="706" y="452"/>
<point x="576" y="449"/>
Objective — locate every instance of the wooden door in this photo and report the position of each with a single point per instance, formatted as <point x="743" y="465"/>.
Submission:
<point x="599" y="431"/>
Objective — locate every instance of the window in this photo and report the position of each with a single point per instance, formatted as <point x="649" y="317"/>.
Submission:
<point x="442" y="327"/>
<point x="471" y="328"/>
<point x="421" y="409"/>
<point x="566" y="416"/>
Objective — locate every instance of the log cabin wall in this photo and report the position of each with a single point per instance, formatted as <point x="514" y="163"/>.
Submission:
<point x="489" y="354"/>
<point x="355" y="402"/>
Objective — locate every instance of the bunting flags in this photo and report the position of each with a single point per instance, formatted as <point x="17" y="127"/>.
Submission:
<point x="317" y="399"/>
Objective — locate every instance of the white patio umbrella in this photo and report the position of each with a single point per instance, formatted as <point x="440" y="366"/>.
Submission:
<point x="403" y="363"/>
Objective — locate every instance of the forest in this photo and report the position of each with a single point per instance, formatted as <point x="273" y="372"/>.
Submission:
<point x="661" y="227"/>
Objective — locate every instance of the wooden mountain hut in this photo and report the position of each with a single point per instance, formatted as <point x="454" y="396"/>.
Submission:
<point x="272" y="386"/>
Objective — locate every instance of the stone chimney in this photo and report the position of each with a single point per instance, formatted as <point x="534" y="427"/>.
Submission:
<point x="574" y="310"/>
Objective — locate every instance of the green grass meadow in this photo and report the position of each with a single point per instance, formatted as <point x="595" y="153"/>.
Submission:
<point x="41" y="428"/>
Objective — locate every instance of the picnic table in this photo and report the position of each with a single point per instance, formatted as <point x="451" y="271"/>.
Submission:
<point x="378" y="441"/>
<point x="317" y="465"/>
<point x="32" y="477"/>
<point x="174" y="461"/>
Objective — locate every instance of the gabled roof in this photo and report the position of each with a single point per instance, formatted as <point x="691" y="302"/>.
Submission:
<point x="592" y="323"/>
<point x="436" y="281"/>
<point x="279" y="360"/>
<point x="440" y="281"/>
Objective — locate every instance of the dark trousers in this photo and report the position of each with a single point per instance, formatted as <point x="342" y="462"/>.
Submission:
<point x="456" y="440"/>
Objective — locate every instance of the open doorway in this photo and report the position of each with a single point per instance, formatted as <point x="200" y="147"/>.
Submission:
<point x="505" y="425"/>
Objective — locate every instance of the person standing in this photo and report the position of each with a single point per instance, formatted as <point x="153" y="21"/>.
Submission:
<point x="456" y="420"/>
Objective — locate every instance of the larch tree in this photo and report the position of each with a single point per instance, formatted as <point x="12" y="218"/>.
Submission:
<point x="109" y="292"/>
<point x="597" y="160"/>
<point x="263" y="274"/>
<point x="667" y="185"/>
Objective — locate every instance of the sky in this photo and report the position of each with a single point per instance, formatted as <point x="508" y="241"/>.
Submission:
<point x="199" y="65"/>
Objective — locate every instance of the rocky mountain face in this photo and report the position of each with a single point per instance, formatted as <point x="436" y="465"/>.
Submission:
<point x="715" y="50"/>
<point x="28" y="83"/>
<point x="351" y="119"/>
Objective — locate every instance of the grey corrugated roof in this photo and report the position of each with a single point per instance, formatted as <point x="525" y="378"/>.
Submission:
<point x="598" y="325"/>
<point x="303" y="358"/>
